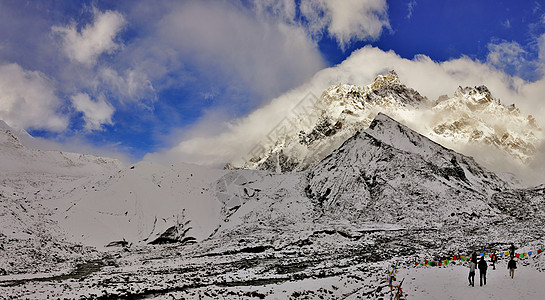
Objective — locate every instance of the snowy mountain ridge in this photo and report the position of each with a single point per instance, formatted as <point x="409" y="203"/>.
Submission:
<point x="388" y="165"/>
<point x="335" y="116"/>
<point x="17" y="158"/>
<point x="474" y="116"/>
<point x="470" y="117"/>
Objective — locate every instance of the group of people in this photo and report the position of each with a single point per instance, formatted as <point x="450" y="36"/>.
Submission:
<point x="483" y="266"/>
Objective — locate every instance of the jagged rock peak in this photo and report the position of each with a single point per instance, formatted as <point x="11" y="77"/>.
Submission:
<point x="480" y="94"/>
<point x="386" y="91"/>
<point x="383" y="80"/>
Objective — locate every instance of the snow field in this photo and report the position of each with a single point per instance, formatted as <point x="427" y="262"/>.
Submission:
<point x="451" y="282"/>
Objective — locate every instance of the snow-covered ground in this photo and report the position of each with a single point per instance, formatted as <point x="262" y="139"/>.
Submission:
<point x="450" y="282"/>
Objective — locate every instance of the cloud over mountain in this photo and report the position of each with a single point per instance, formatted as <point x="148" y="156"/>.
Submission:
<point x="28" y="99"/>
<point x="431" y="79"/>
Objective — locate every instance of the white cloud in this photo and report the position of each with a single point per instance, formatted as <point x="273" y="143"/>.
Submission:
<point x="132" y="86"/>
<point x="541" y="45"/>
<point x="28" y="100"/>
<point x="410" y="8"/>
<point x="527" y="61"/>
<point x="95" y="113"/>
<point x="347" y="21"/>
<point x="507" y="56"/>
<point x="229" y="44"/>
<point x="430" y="78"/>
<point x="284" y="10"/>
<point x="92" y="40"/>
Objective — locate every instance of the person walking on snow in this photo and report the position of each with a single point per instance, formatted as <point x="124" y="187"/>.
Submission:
<point x="512" y="250"/>
<point x="512" y="265"/>
<point x="493" y="260"/>
<point x="471" y="276"/>
<point x="482" y="270"/>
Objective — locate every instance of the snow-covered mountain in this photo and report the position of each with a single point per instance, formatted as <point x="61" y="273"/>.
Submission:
<point x="16" y="158"/>
<point x="326" y="122"/>
<point x="393" y="177"/>
<point x="30" y="180"/>
<point x="392" y="174"/>
<point x="386" y="193"/>
<point x="470" y="117"/>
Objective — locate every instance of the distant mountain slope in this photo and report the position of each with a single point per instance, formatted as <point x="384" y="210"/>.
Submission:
<point x="145" y="203"/>
<point x="15" y="158"/>
<point x="474" y="116"/>
<point x="339" y="113"/>
<point x="30" y="181"/>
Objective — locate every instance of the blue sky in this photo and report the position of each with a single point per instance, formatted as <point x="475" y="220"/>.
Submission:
<point x="129" y="78"/>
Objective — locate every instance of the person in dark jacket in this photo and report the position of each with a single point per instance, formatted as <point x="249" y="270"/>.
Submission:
<point x="474" y="258"/>
<point x="482" y="270"/>
<point x="512" y="250"/>
<point x="512" y="265"/>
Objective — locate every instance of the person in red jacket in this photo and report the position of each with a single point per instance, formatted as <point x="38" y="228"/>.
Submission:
<point x="493" y="260"/>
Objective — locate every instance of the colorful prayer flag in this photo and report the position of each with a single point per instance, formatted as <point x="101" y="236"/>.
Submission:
<point x="529" y="253"/>
<point x="517" y="255"/>
<point x="538" y="251"/>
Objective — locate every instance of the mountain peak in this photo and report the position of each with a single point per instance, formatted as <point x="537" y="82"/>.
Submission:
<point x="383" y="80"/>
<point x="399" y="136"/>
<point x="477" y="95"/>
